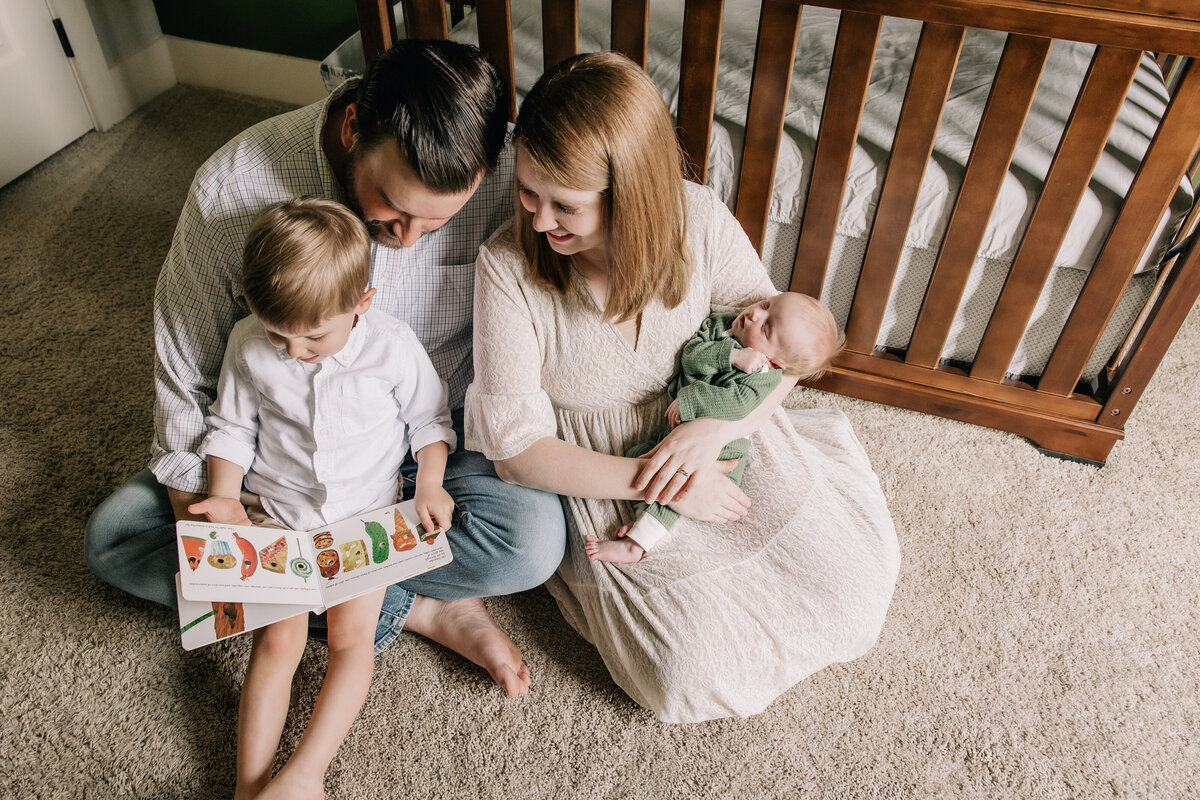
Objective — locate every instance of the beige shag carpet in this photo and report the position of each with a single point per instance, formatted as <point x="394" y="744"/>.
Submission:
<point x="1037" y="646"/>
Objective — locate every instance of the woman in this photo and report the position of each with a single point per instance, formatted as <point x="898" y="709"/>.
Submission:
<point x="581" y="308"/>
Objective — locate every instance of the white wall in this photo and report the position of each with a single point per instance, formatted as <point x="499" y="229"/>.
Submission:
<point x="123" y="27"/>
<point x="121" y="57"/>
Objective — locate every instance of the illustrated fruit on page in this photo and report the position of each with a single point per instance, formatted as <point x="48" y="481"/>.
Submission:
<point x="193" y="548"/>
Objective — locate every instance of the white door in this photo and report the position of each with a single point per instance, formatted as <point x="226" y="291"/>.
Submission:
<point x="41" y="106"/>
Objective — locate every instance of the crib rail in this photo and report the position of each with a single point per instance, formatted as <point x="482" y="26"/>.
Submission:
<point x="1055" y="410"/>
<point x="1100" y="99"/>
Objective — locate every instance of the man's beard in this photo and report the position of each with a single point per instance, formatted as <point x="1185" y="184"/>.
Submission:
<point x="376" y="229"/>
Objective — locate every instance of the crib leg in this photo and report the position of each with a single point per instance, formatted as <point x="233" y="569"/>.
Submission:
<point x="1069" y="457"/>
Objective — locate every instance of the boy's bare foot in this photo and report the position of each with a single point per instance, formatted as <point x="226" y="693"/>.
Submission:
<point x="467" y="628"/>
<point x="292" y="785"/>
<point x="621" y="551"/>
<point x="248" y="791"/>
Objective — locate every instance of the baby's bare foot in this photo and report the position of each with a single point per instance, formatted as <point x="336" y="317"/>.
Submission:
<point x="624" y="551"/>
<point x="467" y="628"/>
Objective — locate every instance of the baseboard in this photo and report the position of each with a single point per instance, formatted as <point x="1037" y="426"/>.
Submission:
<point x="234" y="69"/>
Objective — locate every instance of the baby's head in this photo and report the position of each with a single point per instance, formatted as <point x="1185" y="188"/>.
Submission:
<point x="306" y="266"/>
<point x="794" y="331"/>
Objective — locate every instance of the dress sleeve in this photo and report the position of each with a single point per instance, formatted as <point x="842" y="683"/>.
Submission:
<point x="738" y="276"/>
<point x="506" y="409"/>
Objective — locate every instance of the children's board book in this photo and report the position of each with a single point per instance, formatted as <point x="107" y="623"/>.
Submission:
<point x="235" y="578"/>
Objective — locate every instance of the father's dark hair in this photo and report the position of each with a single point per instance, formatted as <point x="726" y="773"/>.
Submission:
<point x="443" y="103"/>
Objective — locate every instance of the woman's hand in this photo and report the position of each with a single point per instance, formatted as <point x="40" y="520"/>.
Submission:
<point x="225" y="510"/>
<point x="688" y="448"/>
<point x="434" y="506"/>
<point x="711" y="497"/>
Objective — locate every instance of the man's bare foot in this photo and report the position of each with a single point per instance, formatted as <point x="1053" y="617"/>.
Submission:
<point x="292" y="785"/>
<point x="621" y="551"/>
<point x="467" y="628"/>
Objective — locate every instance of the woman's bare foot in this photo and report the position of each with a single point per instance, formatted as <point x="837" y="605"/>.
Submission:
<point x="467" y="628"/>
<point x="620" y="551"/>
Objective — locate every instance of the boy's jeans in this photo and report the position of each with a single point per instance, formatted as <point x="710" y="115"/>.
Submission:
<point x="505" y="539"/>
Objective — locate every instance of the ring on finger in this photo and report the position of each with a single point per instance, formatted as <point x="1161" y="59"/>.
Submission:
<point x="683" y="472"/>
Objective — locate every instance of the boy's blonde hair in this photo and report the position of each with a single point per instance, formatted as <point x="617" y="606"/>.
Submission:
<point x="809" y="356"/>
<point x="304" y="261"/>
<point x="597" y="123"/>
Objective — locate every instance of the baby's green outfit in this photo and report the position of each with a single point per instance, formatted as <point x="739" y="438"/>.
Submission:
<point x="708" y="385"/>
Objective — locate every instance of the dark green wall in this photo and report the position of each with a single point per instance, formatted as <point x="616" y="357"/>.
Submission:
<point x="302" y="28"/>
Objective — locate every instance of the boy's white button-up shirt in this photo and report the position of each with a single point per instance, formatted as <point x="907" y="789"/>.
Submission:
<point x="322" y="442"/>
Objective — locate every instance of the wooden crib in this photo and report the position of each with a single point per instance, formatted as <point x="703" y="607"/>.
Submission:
<point x="1058" y="411"/>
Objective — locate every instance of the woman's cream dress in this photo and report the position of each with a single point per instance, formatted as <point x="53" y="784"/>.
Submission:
<point x="718" y="620"/>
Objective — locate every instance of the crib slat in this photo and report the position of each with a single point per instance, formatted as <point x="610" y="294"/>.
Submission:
<point x="630" y="27"/>
<point x="845" y="94"/>
<point x="999" y="130"/>
<point x="700" y="49"/>
<point x="494" y="19"/>
<point x="1167" y="278"/>
<point x="560" y="31"/>
<point x="1166" y="162"/>
<point x="425" y="19"/>
<point x="1180" y="292"/>
<point x="928" y="86"/>
<point x="1096" y="107"/>
<point x="376" y="22"/>
<point x="774" y="54"/>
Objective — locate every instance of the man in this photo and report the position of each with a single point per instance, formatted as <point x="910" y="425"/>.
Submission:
<point x="418" y="149"/>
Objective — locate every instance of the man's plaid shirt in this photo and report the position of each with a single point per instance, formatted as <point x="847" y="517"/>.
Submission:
<point x="199" y="294"/>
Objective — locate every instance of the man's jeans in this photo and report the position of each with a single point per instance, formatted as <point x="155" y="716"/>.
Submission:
<point x="505" y="539"/>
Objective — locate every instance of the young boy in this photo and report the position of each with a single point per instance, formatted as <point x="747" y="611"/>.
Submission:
<point x="318" y="403"/>
<point x="726" y="369"/>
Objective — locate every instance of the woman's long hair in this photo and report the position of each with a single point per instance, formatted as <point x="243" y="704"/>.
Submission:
<point x="597" y="123"/>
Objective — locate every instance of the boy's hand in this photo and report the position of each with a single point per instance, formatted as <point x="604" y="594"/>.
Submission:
<point x="749" y="360"/>
<point x="225" y="510"/>
<point x="672" y="414"/>
<point x="434" y="506"/>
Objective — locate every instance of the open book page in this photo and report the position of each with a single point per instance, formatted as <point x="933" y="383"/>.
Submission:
<point x="375" y="549"/>
<point x="246" y="564"/>
<point x="259" y="572"/>
<point x="202" y="623"/>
